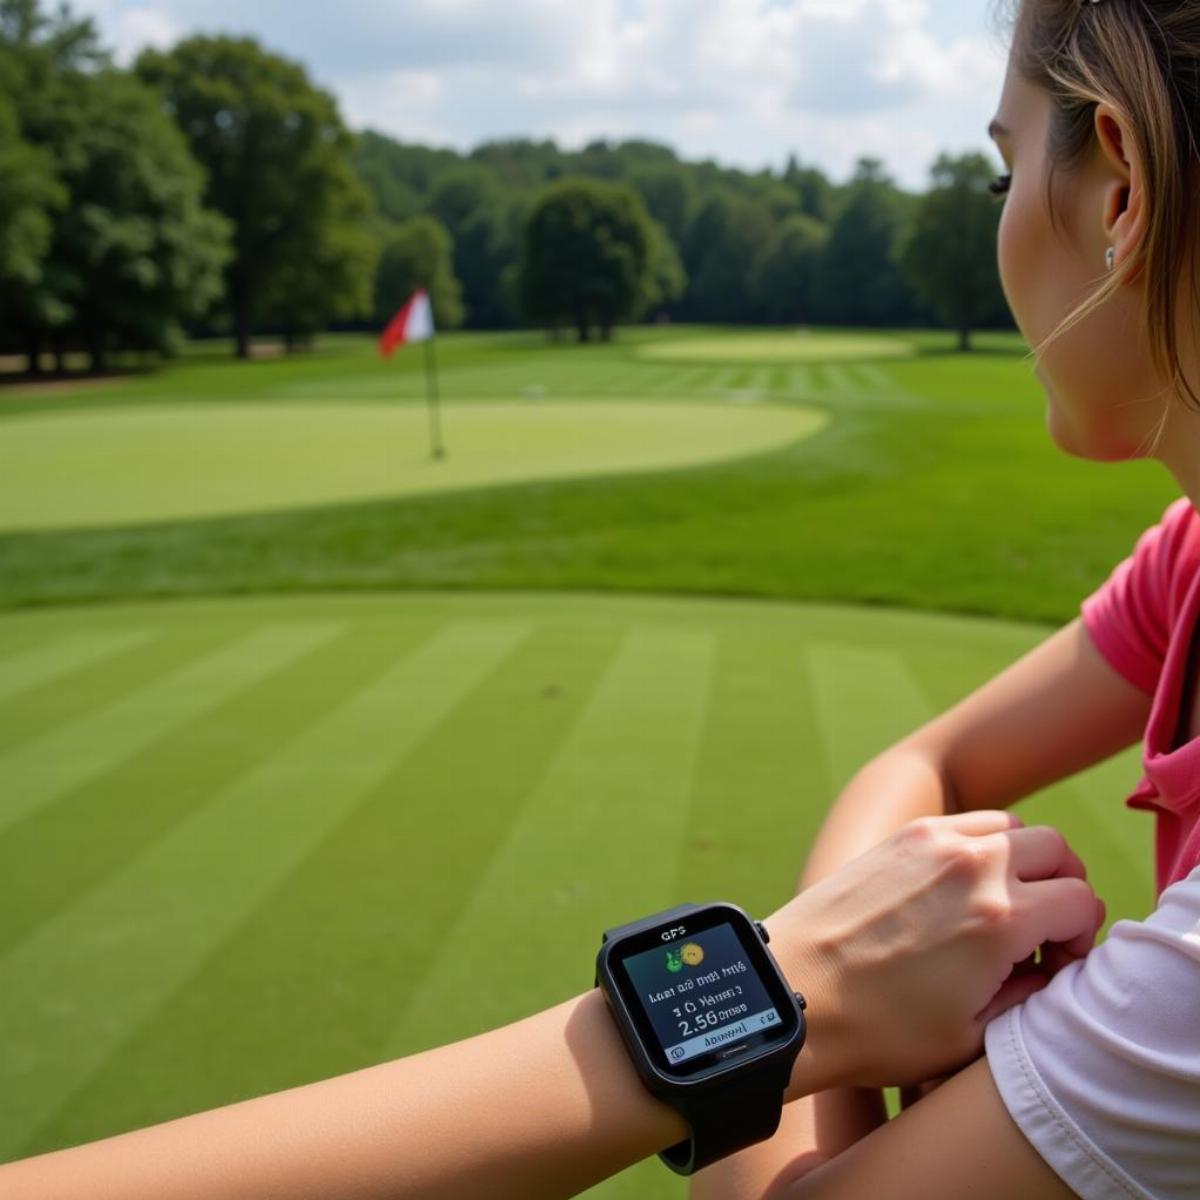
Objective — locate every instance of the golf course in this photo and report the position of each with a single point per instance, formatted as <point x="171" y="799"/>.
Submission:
<point x="317" y="750"/>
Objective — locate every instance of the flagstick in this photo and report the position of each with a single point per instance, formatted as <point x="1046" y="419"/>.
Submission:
<point x="437" y="449"/>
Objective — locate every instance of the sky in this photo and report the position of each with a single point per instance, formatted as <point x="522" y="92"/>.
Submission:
<point x="746" y="82"/>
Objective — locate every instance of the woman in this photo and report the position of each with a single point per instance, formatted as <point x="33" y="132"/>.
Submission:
<point x="1095" y="1079"/>
<point x="1093" y="1087"/>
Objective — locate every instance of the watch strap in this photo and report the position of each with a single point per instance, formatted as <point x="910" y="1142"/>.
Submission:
<point x="728" y="1119"/>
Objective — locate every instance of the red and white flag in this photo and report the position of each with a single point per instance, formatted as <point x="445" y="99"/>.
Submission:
<point x="413" y="323"/>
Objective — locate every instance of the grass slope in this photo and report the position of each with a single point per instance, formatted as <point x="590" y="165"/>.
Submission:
<point x="247" y="844"/>
<point x="935" y="486"/>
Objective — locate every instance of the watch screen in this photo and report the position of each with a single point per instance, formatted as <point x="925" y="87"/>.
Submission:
<point x="703" y="996"/>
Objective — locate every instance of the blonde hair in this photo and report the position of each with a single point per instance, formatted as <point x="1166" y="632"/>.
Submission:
<point x="1143" y="58"/>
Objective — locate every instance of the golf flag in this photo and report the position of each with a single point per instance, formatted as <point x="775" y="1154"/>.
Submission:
<point x="413" y="323"/>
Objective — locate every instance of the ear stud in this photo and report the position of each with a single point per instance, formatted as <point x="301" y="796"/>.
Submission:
<point x="1110" y="257"/>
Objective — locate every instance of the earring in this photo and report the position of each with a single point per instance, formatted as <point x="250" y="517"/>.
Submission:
<point x="1110" y="257"/>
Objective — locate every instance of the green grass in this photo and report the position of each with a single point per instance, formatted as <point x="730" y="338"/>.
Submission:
<point x="797" y="346"/>
<point x="247" y="844"/>
<point x="116" y="466"/>
<point x="251" y="842"/>
<point x="935" y="486"/>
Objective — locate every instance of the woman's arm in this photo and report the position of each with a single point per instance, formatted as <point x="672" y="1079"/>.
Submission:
<point x="959" y="1141"/>
<point x="550" y="1105"/>
<point x="1058" y="710"/>
<point x="1055" y="712"/>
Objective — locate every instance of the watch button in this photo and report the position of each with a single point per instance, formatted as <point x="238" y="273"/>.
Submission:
<point x="762" y="931"/>
<point x="800" y="1000"/>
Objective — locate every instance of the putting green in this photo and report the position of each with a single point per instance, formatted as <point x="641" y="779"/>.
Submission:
<point x="251" y="843"/>
<point x="796" y="346"/>
<point x="132" y="465"/>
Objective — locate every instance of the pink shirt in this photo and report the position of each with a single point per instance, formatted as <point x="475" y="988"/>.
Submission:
<point x="1101" y="1068"/>
<point x="1142" y="620"/>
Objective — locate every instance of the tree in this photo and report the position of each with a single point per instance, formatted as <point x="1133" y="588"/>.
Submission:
<point x="669" y="195"/>
<point x="812" y="188"/>
<point x="783" y="280"/>
<point x="475" y="211"/>
<point x="727" y="237"/>
<point x="859" y="280"/>
<point x="666" y="280"/>
<point x="29" y="196"/>
<point x="586" y="252"/>
<point x="951" y="254"/>
<point x="418" y="254"/>
<point x="134" y="254"/>
<point x="277" y="157"/>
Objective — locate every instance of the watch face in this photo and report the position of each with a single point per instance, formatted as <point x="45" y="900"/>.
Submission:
<point x="703" y="993"/>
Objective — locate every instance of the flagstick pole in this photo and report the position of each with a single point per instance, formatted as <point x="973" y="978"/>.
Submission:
<point x="437" y="448"/>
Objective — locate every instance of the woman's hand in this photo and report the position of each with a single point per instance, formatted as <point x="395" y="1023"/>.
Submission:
<point x="908" y="951"/>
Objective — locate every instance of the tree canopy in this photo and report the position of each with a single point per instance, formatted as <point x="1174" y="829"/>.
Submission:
<point x="134" y="253"/>
<point x="277" y="158"/>
<point x="418" y="254"/>
<point x="215" y="187"/>
<point x="951" y="252"/>
<point x="586" y="253"/>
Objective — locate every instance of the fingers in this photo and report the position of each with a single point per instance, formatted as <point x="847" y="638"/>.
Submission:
<point x="979" y="822"/>
<point x="1064" y="910"/>
<point x="1041" y="852"/>
<point x="1015" y="990"/>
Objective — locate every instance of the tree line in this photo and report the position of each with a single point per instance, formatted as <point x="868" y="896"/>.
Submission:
<point x="214" y="188"/>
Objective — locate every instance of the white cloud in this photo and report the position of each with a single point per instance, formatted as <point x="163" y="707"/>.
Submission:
<point x="745" y="81"/>
<point x="129" y="29"/>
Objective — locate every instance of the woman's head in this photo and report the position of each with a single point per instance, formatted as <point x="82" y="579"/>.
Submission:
<point x="1100" y="124"/>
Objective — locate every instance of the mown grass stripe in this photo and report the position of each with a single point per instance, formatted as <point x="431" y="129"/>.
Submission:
<point x="866" y="700"/>
<point x="35" y="773"/>
<point x="840" y="380"/>
<point x="39" y="711"/>
<point x="762" y="785"/>
<point x="416" y="846"/>
<point x="176" y="903"/>
<point x="801" y="381"/>
<point x="50" y="859"/>
<point x="572" y="865"/>
<point x="875" y="380"/>
<point x="46" y="664"/>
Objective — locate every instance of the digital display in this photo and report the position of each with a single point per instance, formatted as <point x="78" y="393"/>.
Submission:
<point x="702" y="996"/>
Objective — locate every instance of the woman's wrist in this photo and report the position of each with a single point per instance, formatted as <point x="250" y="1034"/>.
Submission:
<point x="809" y="963"/>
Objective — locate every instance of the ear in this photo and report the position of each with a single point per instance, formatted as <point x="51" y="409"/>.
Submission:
<point x="1125" y="212"/>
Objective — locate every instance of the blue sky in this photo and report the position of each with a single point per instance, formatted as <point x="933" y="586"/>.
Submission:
<point x="744" y="81"/>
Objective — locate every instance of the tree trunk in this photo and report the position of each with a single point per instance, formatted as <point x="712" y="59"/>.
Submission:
<point x="964" y="339"/>
<point x="33" y="352"/>
<point x="581" y="323"/>
<point x="96" y="353"/>
<point x="241" y="320"/>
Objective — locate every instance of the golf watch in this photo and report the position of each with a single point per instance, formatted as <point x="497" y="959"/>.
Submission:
<point x="710" y="1021"/>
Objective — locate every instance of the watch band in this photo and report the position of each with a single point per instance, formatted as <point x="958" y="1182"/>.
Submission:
<point x="728" y="1119"/>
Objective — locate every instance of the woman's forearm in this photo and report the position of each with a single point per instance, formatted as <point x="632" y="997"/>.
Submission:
<point x="544" y="1107"/>
<point x="888" y="792"/>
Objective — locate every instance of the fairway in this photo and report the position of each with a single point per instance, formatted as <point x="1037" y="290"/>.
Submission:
<point x="117" y="466"/>
<point x="796" y="346"/>
<point x="251" y="843"/>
